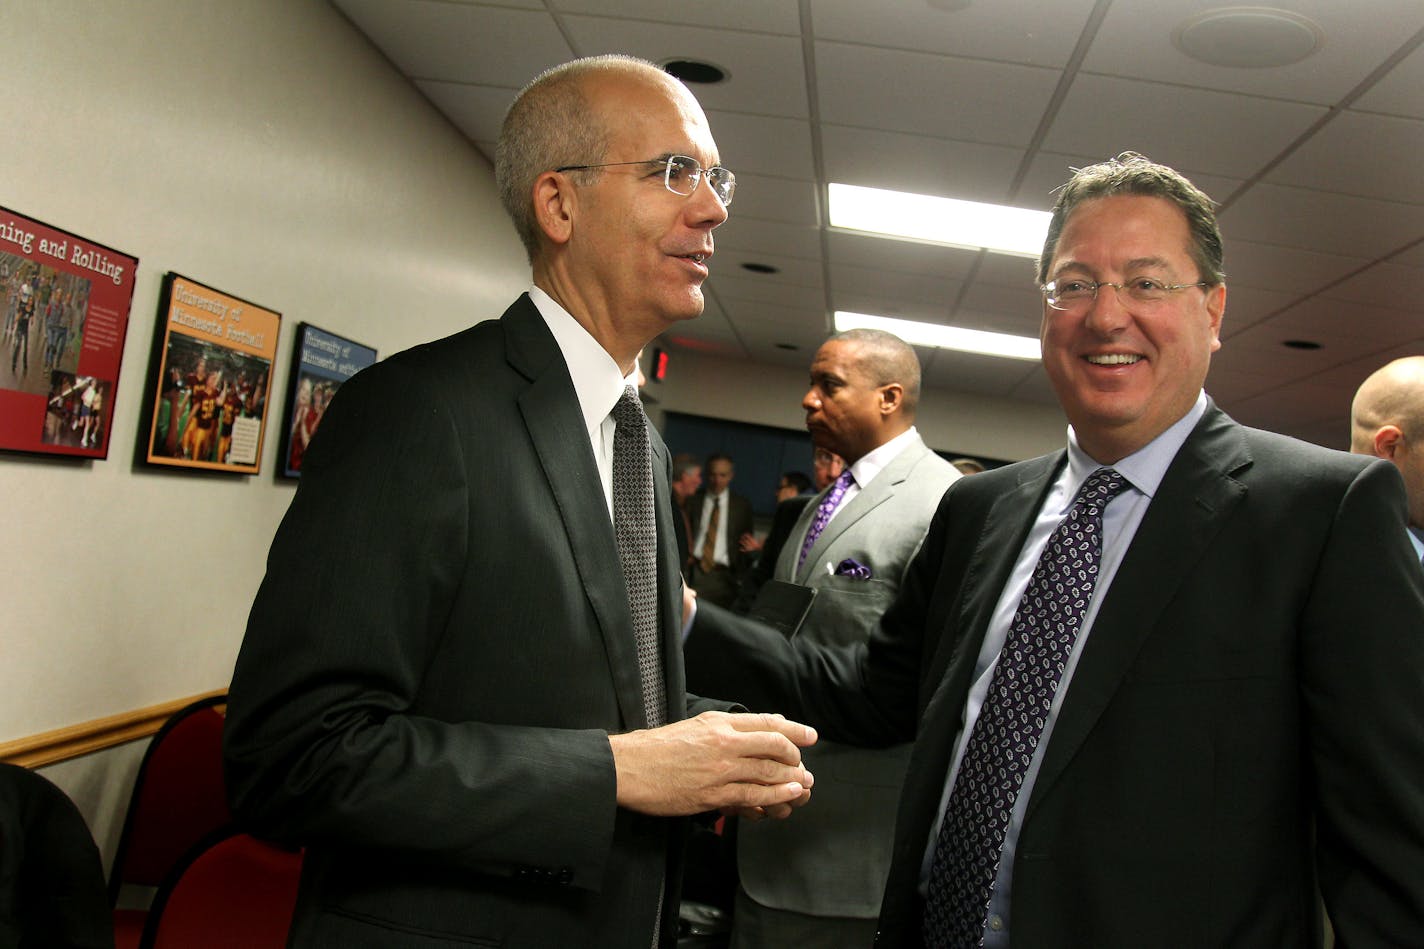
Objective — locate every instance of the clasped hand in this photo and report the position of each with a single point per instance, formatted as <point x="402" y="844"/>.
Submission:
<point x="742" y="763"/>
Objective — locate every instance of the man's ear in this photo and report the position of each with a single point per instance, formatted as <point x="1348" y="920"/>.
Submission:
<point x="553" y="206"/>
<point x="1387" y="439"/>
<point x="892" y="396"/>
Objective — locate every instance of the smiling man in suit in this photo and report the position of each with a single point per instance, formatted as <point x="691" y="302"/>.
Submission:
<point x="1165" y="683"/>
<point x="461" y="687"/>
<point x="820" y="885"/>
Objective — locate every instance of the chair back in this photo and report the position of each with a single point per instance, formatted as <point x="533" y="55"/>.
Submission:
<point x="178" y="798"/>
<point x="232" y="892"/>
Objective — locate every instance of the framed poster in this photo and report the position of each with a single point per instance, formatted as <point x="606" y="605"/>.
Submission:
<point x="321" y="362"/>
<point x="66" y="305"/>
<point x="210" y="379"/>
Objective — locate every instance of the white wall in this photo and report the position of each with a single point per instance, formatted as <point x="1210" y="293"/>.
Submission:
<point x="262" y="147"/>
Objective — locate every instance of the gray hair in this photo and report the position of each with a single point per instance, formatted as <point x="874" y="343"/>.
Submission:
<point x="552" y="124"/>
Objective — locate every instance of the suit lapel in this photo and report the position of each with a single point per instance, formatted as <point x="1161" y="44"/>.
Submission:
<point x="1196" y="496"/>
<point x="987" y="570"/>
<point x="880" y="490"/>
<point x="551" y="417"/>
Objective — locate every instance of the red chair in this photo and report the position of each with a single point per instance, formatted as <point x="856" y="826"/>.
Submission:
<point x="232" y="892"/>
<point x="178" y="799"/>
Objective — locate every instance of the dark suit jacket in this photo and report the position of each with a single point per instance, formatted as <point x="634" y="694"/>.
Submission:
<point x="738" y="511"/>
<point x="1246" y="719"/>
<point x="440" y="647"/>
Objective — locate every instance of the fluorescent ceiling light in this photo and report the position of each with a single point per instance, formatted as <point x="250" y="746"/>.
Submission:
<point x="944" y="337"/>
<point x="939" y="220"/>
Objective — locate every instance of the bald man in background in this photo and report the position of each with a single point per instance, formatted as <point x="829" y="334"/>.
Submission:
<point x="1387" y="421"/>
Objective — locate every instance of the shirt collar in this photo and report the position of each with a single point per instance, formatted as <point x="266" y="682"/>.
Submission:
<point x="1416" y="535"/>
<point x="877" y="460"/>
<point x="595" y="375"/>
<point x="1145" y="468"/>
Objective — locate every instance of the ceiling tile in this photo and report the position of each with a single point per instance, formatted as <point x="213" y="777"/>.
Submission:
<point x="1324" y="221"/>
<point x="940" y="96"/>
<point x="1136" y="41"/>
<point x="751" y="237"/>
<point x="764" y="72"/>
<point x="767" y="16"/>
<point x="489" y="46"/>
<point x="1376" y="156"/>
<point x="1194" y="130"/>
<point x="759" y="144"/>
<point x="1014" y="31"/>
<point x="1397" y="93"/>
<point x="897" y="161"/>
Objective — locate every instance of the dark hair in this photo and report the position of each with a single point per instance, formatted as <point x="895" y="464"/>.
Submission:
<point x="887" y="358"/>
<point x="798" y="480"/>
<point x="1133" y="174"/>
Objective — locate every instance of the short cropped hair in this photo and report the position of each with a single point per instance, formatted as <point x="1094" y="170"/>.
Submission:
<point x="551" y="124"/>
<point x="887" y="358"/>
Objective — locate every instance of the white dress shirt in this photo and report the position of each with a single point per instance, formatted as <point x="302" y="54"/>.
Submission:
<point x="597" y="382"/>
<point x="870" y="464"/>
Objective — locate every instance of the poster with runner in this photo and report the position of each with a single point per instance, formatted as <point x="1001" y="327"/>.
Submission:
<point x="210" y="379"/>
<point x="65" y="301"/>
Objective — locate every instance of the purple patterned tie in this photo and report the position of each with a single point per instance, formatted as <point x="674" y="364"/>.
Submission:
<point x="997" y="754"/>
<point x="824" y="510"/>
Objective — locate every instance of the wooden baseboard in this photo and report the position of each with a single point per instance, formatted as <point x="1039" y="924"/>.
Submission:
<point x="62" y="744"/>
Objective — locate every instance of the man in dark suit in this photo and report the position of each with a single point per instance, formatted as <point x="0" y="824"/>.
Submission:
<point x="686" y="479"/>
<point x="1387" y="421"/>
<point x="718" y="519"/>
<point x="461" y="688"/>
<point x="1158" y="681"/>
<point x="819" y="886"/>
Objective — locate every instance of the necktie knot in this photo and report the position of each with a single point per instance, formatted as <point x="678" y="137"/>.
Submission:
<point x="628" y="410"/>
<point x="824" y="510"/>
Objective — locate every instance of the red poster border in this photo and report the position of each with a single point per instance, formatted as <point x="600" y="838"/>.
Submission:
<point x="47" y="406"/>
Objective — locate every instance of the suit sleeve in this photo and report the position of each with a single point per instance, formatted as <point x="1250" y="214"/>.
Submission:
<point x="863" y="693"/>
<point x="1363" y="689"/>
<point x="330" y="737"/>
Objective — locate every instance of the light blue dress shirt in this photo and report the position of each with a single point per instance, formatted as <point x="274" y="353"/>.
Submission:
<point x="1144" y="470"/>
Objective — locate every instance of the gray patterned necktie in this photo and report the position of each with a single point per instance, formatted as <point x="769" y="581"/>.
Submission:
<point x="635" y="525"/>
<point x="1006" y="733"/>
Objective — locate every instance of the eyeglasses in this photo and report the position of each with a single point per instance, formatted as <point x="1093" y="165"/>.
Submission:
<point x="681" y="175"/>
<point x="1074" y="294"/>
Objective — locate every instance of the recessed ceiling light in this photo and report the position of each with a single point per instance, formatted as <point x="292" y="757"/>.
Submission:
<point x="944" y="337"/>
<point x="1300" y="344"/>
<point x="950" y="221"/>
<point x="761" y="268"/>
<point x="695" y="70"/>
<point x="791" y="346"/>
<point x="1248" y="37"/>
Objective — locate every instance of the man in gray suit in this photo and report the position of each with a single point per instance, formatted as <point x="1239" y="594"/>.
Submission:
<point x="820" y="884"/>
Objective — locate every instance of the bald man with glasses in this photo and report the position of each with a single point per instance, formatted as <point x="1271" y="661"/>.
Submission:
<point x="461" y="688"/>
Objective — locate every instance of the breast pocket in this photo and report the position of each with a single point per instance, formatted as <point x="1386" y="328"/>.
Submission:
<point x="846" y="610"/>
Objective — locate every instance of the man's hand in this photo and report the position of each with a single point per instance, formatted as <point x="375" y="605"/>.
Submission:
<point x="749" y="543"/>
<point x="748" y="763"/>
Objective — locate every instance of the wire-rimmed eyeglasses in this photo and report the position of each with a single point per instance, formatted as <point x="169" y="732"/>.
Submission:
<point x="1075" y="292"/>
<point x="681" y="175"/>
